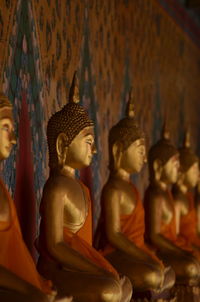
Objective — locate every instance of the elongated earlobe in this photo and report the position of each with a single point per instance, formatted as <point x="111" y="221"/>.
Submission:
<point x="61" y="148"/>
<point x="117" y="155"/>
<point x="157" y="166"/>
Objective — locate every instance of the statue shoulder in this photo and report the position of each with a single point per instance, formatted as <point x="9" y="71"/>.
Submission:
<point x="178" y="196"/>
<point x="112" y="188"/>
<point x="153" y="196"/>
<point x="57" y="186"/>
<point x="180" y="201"/>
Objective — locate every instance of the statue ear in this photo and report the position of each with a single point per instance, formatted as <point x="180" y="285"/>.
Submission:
<point x="61" y="146"/>
<point x="117" y="154"/>
<point x="157" y="167"/>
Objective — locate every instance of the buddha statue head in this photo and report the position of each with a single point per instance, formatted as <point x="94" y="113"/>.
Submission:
<point x="7" y="136"/>
<point x="189" y="164"/>
<point x="163" y="160"/>
<point x="70" y="134"/>
<point x="127" y="143"/>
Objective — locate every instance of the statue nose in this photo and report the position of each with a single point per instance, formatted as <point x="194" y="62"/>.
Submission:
<point x="13" y="138"/>
<point x="94" y="149"/>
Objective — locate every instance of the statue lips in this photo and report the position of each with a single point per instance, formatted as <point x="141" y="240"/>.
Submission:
<point x="140" y="165"/>
<point x="8" y="149"/>
<point x="90" y="157"/>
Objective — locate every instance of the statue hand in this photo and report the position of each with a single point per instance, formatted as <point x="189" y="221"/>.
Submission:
<point x="52" y="296"/>
<point x="192" y="258"/>
<point x="65" y="299"/>
<point x="155" y="263"/>
<point x="158" y="265"/>
<point x="108" y="274"/>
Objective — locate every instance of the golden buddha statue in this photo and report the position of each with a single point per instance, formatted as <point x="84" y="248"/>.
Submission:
<point x="197" y="204"/>
<point x="186" y="215"/>
<point x="161" y="231"/>
<point x="120" y="234"/>
<point x="19" y="280"/>
<point x="65" y="242"/>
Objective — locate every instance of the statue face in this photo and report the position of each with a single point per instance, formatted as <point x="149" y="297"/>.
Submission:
<point x="134" y="157"/>
<point x="170" y="170"/>
<point x="7" y="137"/>
<point x="81" y="150"/>
<point x="192" y="175"/>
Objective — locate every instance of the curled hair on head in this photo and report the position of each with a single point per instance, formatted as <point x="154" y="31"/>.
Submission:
<point x="125" y="132"/>
<point x="5" y="107"/>
<point x="186" y="155"/>
<point x="71" y="120"/>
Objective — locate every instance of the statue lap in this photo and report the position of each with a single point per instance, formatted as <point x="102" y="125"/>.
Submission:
<point x="82" y="285"/>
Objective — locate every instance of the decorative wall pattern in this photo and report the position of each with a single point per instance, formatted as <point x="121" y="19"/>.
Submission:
<point x="60" y="26"/>
<point x="114" y="45"/>
<point x="8" y="15"/>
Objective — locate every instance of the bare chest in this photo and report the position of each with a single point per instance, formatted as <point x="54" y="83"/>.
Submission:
<point x="75" y="210"/>
<point x="127" y="200"/>
<point x="167" y="210"/>
<point x="184" y="205"/>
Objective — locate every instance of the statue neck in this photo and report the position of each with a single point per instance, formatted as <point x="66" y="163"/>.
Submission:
<point x="182" y="187"/>
<point x="163" y="185"/>
<point x="121" y="174"/>
<point x="1" y="166"/>
<point x="65" y="171"/>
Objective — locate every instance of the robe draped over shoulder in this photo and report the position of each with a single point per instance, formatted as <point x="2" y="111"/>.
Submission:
<point x="133" y="227"/>
<point x="81" y="241"/>
<point x="14" y="254"/>
<point x="188" y="223"/>
<point x="169" y="230"/>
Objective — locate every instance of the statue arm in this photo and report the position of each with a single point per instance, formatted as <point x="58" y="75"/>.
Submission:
<point x="113" y="228"/>
<point x="178" y="213"/>
<point x="60" y="250"/>
<point x="163" y="244"/>
<point x="198" y="218"/>
<point x="10" y="281"/>
<point x="198" y="207"/>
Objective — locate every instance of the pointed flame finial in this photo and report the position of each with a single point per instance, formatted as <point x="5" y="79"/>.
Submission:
<point x="165" y="131"/>
<point x="130" y="109"/>
<point x="74" y="90"/>
<point x="187" y="139"/>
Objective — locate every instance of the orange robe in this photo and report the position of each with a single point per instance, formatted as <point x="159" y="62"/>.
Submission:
<point x="188" y="224"/>
<point x="133" y="227"/>
<point x="80" y="241"/>
<point x="14" y="254"/>
<point x="169" y="231"/>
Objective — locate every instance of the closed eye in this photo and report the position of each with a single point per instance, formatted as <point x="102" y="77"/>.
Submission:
<point x="141" y="151"/>
<point x="6" y="128"/>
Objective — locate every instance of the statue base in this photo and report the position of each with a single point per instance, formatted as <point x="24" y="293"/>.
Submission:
<point x="149" y="296"/>
<point x="186" y="293"/>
